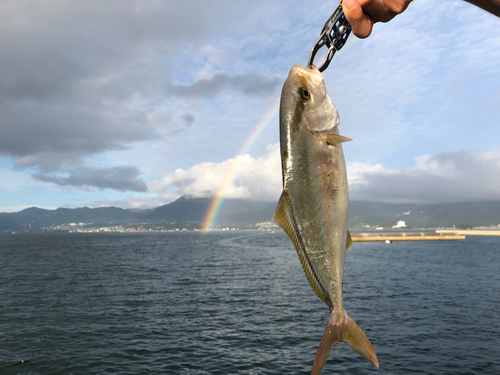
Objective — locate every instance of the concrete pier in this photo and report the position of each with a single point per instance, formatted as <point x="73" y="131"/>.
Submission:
<point x="470" y="232"/>
<point x="405" y="236"/>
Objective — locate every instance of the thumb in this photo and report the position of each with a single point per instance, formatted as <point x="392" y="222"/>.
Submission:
<point x="360" y="22"/>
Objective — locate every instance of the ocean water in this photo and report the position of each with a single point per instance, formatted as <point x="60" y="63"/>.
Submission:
<point x="239" y="303"/>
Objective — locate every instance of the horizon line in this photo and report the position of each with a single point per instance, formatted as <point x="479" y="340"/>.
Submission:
<point x="210" y="198"/>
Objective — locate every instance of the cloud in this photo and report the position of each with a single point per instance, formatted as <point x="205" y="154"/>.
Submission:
<point x="456" y="176"/>
<point x="123" y="178"/>
<point x="62" y="47"/>
<point x="132" y="201"/>
<point x="57" y="135"/>
<point x="189" y="118"/>
<point x="103" y="82"/>
<point x="255" y="178"/>
<point x="82" y="78"/>
<point x="249" y="83"/>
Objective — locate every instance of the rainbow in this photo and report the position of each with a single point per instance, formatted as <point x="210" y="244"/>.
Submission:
<point x="216" y="203"/>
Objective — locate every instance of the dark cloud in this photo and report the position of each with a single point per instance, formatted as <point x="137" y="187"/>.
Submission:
<point x="118" y="178"/>
<point x="72" y="72"/>
<point x="58" y="135"/>
<point x="189" y="118"/>
<point x="458" y="176"/>
<point x="250" y="83"/>
<point x="48" y="48"/>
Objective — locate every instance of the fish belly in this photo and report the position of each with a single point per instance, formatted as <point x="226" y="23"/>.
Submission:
<point x="317" y="188"/>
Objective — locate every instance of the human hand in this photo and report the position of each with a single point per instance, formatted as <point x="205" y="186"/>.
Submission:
<point x="362" y="14"/>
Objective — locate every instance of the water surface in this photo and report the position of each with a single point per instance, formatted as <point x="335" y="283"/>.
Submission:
<point x="225" y="303"/>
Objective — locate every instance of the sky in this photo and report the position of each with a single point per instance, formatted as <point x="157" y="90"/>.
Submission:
<point x="136" y="103"/>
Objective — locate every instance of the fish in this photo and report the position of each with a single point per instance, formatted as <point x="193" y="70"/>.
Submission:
<point x="313" y="206"/>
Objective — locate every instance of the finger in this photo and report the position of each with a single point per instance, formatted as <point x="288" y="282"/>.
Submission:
<point x="360" y="22"/>
<point x="383" y="10"/>
<point x="397" y="6"/>
<point x="376" y="9"/>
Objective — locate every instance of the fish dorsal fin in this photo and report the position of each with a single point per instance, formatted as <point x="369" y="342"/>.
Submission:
<point x="284" y="217"/>
<point x="331" y="139"/>
<point x="349" y="241"/>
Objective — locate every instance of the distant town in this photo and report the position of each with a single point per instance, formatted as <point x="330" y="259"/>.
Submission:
<point x="147" y="227"/>
<point x="268" y="226"/>
<point x="175" y="226"/>
<point x="188" y="214"/>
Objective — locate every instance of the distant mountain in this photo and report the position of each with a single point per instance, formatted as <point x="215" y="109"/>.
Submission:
<point x="242" y="211"/>
<point x="185" y="209"/>
<point x="425" y="216"/>
<point x="232" y="211"/>
<point x="35" y="218"/>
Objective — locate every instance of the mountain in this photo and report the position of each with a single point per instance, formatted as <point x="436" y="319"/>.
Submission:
<point x="465" y="214"/>
<point x="187" y="209"/>
<point x="234" y="212"/>
<point x="35" y="218"/>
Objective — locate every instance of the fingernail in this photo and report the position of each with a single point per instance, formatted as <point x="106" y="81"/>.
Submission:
<point x="351" y="4"/>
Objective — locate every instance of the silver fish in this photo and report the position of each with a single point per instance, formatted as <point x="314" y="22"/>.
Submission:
<point x="313" y="207"/>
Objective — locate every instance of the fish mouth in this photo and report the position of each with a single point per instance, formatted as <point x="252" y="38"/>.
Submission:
<point x="310" y="73"/>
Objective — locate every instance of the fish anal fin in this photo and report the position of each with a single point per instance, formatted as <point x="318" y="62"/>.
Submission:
<point x="284" y="217"/>
<point x="331" y="139"/>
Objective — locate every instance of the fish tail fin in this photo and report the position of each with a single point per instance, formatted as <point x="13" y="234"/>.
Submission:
<point x="341" y="327"/>
<point x="331" y="337"/>
<point x="358" y="341"/>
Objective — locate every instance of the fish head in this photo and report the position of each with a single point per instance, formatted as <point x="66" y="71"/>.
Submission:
<point x="305" y="91"/>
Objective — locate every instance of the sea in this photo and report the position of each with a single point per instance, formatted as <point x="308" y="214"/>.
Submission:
<point x="239" y="303"/>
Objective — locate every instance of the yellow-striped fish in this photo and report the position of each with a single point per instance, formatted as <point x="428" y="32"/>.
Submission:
<point x="313" y="206"/>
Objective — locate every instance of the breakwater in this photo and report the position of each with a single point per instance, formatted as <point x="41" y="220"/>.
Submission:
<point x="406" y="236"/>
<point x="470" y="232"/>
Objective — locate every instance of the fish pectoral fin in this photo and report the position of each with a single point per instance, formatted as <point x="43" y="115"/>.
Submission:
<point x="331" y="139"/>
<point x="286" y="220"/>
<point x="349" y="241"/>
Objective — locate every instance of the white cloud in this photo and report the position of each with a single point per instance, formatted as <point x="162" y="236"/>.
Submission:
<point x="357" y="170"/>
<point x="456" y="176"/>
<point x="244" y="176"/>
<point x="132" y="201"/>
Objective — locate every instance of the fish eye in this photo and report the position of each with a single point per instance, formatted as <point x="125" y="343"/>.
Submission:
<point x="305" y="94"/>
